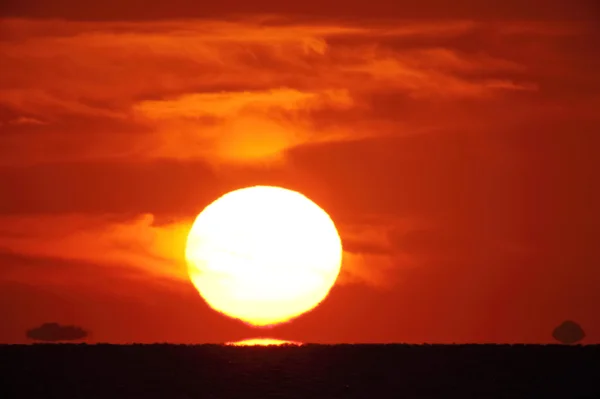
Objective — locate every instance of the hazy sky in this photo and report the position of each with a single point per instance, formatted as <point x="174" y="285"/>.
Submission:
<point x="455" y="147"/>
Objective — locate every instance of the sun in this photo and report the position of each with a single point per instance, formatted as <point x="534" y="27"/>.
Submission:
<point x="263" y="254"/>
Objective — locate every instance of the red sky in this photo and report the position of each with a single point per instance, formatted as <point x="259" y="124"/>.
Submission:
<point x="456" y="148"/>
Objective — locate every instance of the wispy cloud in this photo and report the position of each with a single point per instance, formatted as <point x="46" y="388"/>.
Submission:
<point x="238" y="90"/>
<point x="232" y="126"/>
<point x="156" y="250"/>
<point x="153" y="250"/>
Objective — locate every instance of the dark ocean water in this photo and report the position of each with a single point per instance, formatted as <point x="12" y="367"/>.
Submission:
<point x="307" y="372"/>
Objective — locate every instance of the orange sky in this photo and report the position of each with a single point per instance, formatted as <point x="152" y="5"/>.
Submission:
<point x="455" y="148"/>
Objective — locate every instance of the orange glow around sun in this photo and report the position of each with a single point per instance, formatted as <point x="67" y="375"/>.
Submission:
<point x="263" y="254"/>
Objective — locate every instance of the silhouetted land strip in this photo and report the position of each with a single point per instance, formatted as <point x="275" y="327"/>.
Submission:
<point x="309" y="372"/>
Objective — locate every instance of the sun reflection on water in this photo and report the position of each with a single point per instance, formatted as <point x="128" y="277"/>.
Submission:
<point x="263" y="342"/>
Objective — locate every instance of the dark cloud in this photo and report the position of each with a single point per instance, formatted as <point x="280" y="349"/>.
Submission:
<point x="568" y="332"/>
<point x="56" y="332"/>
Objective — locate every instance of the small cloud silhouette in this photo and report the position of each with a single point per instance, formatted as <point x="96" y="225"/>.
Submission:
<point x="568" y="332"/>
<point x="56" y="332"/>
